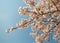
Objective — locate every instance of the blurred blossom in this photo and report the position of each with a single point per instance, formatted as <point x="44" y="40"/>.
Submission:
<point x="39" y="11"/>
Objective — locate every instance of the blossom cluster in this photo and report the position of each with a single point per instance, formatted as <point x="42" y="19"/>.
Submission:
<point x="44" y="18"/>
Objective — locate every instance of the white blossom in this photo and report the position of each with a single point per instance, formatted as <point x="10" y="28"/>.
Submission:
<point x="44" y="17"/>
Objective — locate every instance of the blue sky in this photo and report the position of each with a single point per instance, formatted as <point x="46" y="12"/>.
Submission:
<point x="9" y="17"/>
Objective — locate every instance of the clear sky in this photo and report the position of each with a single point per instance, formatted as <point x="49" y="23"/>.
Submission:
<point x="9" y="17"/>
